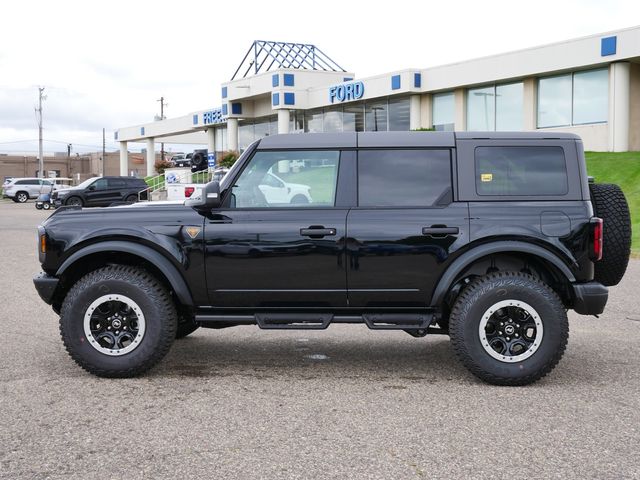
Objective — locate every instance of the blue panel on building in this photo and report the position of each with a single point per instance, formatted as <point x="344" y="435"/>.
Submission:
<point x="275" y="80"/>
<point x="224" y="92"/>
<point x="195" y="119"/>
<point x="417" y="80"/>
<point x="141" y="130"/>
<point x="225" y="109"/>
<point x="236" y="108"/>
<point x="395" y="82"/>
<point x="288" y="80"/>
<point x="289" y="98"/>
<point x="275" y="99"/>
<point x="608" y="46"/>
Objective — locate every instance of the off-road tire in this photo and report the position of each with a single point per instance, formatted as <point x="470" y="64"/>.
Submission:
<point x="486" y="291"/>
<point x="154" y="301"/>
<point x="610" y="204"/>
<point x="131" y="198"/>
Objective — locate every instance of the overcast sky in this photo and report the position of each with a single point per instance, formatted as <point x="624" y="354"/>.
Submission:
<point x="104" y="64"/>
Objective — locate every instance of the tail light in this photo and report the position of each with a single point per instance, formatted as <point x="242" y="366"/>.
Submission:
<point x="188" y="191"/>
<point x="596" y="239"/>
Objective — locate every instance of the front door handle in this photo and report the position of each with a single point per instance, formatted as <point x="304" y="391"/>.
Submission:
<point x="317" y="231"/>
<point x="440" y="231"/>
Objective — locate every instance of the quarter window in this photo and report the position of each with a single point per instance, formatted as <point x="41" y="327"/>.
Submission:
<point x="287" y="179"/>
<point x="520" y="171"/>
<point x="419" y="178"/>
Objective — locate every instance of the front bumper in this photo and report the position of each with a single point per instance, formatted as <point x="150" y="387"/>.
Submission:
<point x="46" y="286"/>
<point x="590" y="298"/>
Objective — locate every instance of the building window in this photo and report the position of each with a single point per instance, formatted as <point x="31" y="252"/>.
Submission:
<point x="261" y="128"/>
<point x="332" y="120"/>
<point x="399" y="114"/>
<point x="313" y="121"/>
<point x="443" y="111"/>
<point x="573" y="99"/>
<point x="376" y="116"/>
<point x="498" y="107"/>
<point x="246" y="135"/>
<point x="353" y="118"/>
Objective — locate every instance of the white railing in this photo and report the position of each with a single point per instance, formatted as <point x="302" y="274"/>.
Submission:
<point x="158" y="183"/>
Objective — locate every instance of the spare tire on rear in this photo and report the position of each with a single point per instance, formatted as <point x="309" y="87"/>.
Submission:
<point x="199" y="162"/>
<point x="611" y="205"/>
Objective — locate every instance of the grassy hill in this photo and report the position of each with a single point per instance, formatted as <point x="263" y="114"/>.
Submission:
<point x="624" y="170"/>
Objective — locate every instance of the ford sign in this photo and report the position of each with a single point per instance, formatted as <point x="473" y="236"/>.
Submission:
<point x="346" y="92"/>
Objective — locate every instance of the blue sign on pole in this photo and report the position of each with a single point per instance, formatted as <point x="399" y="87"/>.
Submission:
<point x="346" y="92"/>
<point x="211" y="158"/>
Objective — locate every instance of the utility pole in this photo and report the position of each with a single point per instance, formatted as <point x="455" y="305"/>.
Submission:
<point x="41" y="97"/>
<point x="69" y="160"/>
<point x="162" y="105"/>
<point x="103" y="150"/>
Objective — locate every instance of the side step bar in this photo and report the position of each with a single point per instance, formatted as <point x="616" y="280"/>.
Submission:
<point x="320" y="321"/>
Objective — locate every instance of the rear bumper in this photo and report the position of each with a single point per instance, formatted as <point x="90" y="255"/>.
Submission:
<point x="46" y="286"/>
<point x="590" y="298"/>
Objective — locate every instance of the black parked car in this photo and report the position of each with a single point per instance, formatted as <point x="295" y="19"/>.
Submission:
<point x="488" y="238"/>
<point x="102" y="192"/>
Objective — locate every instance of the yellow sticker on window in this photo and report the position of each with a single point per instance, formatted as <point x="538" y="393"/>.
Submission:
<point x="486" y="177"/>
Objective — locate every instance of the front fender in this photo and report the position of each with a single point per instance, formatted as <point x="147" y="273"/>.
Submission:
<point x="172" y="274"/>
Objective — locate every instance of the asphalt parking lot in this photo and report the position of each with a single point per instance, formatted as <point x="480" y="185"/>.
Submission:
<point x="340" y="404"/>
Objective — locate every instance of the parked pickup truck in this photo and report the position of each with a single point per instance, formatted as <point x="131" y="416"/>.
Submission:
<point x="488" y="238"/>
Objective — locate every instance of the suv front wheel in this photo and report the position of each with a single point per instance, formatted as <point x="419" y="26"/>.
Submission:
<point x="509" y="328"/>
<point x="118" y="321"/>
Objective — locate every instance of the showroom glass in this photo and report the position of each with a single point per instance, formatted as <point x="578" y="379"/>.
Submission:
<point x="245" y="135"/>
<point x="496" y="107"/>
<point x="509" y="106"/>
<point x="391" y="178"/>
<point x="332" y="121"/>
<point x="313" y="121"/>
<point x="375" y="116"/>
<point x="520" y="171"/>
<point x="353" y="118"/>
<point x="573" y="99"/>
<point x="399" y="114"/>
<point x="590" y="96"/>
<point x="287" y="179"/>
<point x="443" y="110"/>
<point x="481" y="113"/>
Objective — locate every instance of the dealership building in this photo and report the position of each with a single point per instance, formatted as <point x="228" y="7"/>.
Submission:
<point x="589" y="86"/>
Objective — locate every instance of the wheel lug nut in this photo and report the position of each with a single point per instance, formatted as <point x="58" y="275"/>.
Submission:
<point x="499" y="332"/>
<point x="118" y="331"/>
<point x="124" y="328"/>
<point x="517" y="335"/>
<point x="508" y="338"/>
<point x="501" y="323"/>
<point x="518" y="325"/>
<point x="109" y="327"/>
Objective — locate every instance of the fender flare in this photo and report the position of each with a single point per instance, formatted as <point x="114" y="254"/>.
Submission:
<point x="169" y="270"/>
<point x="464" y="260"/>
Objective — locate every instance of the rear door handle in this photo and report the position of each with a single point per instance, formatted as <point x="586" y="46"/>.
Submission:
<point x="440" y="232"/>
<point x="317" y="232"/>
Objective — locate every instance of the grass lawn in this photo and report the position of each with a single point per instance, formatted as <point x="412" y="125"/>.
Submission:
<point x="622" y="169"/>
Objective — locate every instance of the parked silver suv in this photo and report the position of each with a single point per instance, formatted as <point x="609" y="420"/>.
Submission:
<point x="22" y="189"/>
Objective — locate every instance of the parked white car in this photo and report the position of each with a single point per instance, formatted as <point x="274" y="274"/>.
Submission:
<point x="22" y="189"/>
<point x="277" y="190"/>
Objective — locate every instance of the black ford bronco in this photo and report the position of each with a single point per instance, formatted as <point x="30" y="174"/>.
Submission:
<point x="487" y="237"/>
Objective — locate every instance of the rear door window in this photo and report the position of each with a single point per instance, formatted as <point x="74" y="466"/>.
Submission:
<point x="393" y="178"/>
<point x="520" y="171"/>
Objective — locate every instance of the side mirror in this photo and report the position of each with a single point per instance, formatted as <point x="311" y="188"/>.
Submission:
<point x="206" y="198"/>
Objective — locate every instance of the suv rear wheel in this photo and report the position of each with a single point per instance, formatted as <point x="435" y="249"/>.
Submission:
<point x="118" y="321"/>
<point x="21" y="197"/>
<point x="509" y="328"/>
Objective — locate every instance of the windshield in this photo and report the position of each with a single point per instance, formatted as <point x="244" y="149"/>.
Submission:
<point x="87" y="182"/>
